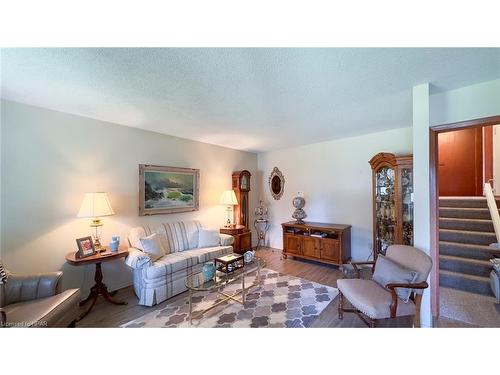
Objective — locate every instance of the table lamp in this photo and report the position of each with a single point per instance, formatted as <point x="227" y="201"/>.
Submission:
<point x="228" y="198"/>
<point x="95" y="205"/>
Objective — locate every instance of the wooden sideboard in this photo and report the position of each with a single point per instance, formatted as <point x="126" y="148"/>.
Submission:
<point x="334" y="248"/>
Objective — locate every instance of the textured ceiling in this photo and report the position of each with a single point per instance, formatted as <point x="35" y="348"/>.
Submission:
<point x="248" y="99"/>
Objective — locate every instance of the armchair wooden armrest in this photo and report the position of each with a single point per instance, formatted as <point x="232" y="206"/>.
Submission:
<point x="356" y="264"/>
<point x="392" y="287"/>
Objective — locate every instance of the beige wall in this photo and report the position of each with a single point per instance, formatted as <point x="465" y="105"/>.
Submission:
<point x="335" y="178"/>
<point x="49" y="159"/>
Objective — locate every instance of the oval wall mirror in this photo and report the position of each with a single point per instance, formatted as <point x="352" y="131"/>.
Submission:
<point x="276" y="183"/>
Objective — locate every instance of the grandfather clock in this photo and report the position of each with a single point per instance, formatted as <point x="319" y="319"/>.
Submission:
<point x="241" y="232"/>
<point x="241" y="187"/>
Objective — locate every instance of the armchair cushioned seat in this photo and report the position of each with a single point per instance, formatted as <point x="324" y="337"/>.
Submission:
<point x="55" y="311"/>
<point x="372" y="299"/>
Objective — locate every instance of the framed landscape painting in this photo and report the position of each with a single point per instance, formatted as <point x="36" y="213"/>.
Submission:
<point x="165" y="190"/>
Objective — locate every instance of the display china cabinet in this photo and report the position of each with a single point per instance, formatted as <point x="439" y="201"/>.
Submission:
<point x="392" y="201"/>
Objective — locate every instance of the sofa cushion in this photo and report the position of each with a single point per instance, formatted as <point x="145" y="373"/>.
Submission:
<point x="152" y="246"/>
<point x="388" y="271"/>
<point x="371" y="299"/>
<point x="182" y="235"/>
<point x="171" y="263"/>
<point x="175" y="262"/>
<point x="208" y="238"/>
<point x="207" y="254"/>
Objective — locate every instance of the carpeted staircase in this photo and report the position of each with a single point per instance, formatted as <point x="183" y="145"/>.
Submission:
<point x="465" y="233"/>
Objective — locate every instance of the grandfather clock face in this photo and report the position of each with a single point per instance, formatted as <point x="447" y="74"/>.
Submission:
<point x="244" y="183"/>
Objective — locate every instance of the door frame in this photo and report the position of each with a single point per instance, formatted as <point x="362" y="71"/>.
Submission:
<point x="434" y="194"/>
<point x="488" y="172"/>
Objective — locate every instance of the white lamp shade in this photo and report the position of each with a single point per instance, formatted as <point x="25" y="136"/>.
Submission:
<point x="228" y="198"/>
<point x="95" y="205"/>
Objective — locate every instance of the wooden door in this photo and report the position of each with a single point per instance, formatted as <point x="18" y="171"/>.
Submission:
<point x="330" y="250"/>
<point x="310" y="247"/>
<point x="293" y="244"/>
<point x="460" y="155"/>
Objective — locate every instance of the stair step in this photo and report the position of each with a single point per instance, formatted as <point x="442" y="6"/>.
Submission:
<point x="470" y="237"/>
<point x="465" y="265"/>
<point x="461" y="281"/>
<point x="481" y="225"/>
<point x="466" y="202"/>
<point x="464" y="213"/>
<point x="463" y="250"/>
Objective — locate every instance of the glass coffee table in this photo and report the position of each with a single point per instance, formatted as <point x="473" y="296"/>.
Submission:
<point x="196" y="282"/>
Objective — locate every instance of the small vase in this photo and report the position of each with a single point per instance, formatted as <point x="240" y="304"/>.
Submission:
<point x="113" y="245"/>
<point x="208" y="271"/>
<point x="116" y="238"/>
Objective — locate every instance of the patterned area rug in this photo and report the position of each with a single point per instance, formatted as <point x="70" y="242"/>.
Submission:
<point x="280" y="301"/>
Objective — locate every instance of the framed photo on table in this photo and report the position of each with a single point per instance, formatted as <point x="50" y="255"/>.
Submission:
<point x="166" y="190"/>
<point x="85" y="247"/>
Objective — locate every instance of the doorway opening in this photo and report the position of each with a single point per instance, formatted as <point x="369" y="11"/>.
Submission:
<point x="464" y="156"/>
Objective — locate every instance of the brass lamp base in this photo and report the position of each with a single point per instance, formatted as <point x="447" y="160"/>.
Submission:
<point x="97" y="246"/>
<point x="96" y="223"/>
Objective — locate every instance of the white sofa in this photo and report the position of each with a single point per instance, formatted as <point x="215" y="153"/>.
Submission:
<point x="154" y="282"/>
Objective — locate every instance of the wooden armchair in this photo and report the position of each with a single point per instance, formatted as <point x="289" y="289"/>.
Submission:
<point x="372" y="301"/>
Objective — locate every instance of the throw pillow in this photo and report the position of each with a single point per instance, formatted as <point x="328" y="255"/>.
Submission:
<point x="388" y="271"/>
<point x="3" y="280"/>
<point x="135" y="237"/>
<point x="3" y="274"/>
<point x="152" y="246"/>
<point x="208" y="238"/>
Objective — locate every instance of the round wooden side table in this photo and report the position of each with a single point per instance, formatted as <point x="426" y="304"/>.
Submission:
<point x="99" y="287"/>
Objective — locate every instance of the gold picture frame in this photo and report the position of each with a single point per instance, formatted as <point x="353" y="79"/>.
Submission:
<point x="167" y="190"/>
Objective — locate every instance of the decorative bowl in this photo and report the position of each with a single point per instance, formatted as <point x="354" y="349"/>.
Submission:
<point x="249" y="256"/>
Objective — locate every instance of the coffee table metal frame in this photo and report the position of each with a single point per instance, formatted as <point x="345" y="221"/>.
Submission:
<point x="221" y="280"/>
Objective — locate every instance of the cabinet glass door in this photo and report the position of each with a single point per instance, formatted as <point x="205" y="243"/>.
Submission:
<point x="385" y="209"/>
<point x="407" y="192"/>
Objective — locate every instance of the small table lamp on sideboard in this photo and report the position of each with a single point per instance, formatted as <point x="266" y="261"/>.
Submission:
<point x="228" y="198"/>
<point x="95" y="205"/>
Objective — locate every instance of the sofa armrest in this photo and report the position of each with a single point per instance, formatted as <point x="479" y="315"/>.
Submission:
<point x="21" y="288"/>
<point x="137" y="259"/>
<point x="226" y="239"/>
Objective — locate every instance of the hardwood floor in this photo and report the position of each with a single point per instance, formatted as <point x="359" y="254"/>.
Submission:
<point x="108" y="315"/>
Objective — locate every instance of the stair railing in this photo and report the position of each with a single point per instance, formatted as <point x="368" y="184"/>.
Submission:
<point x="492" y="206"/>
